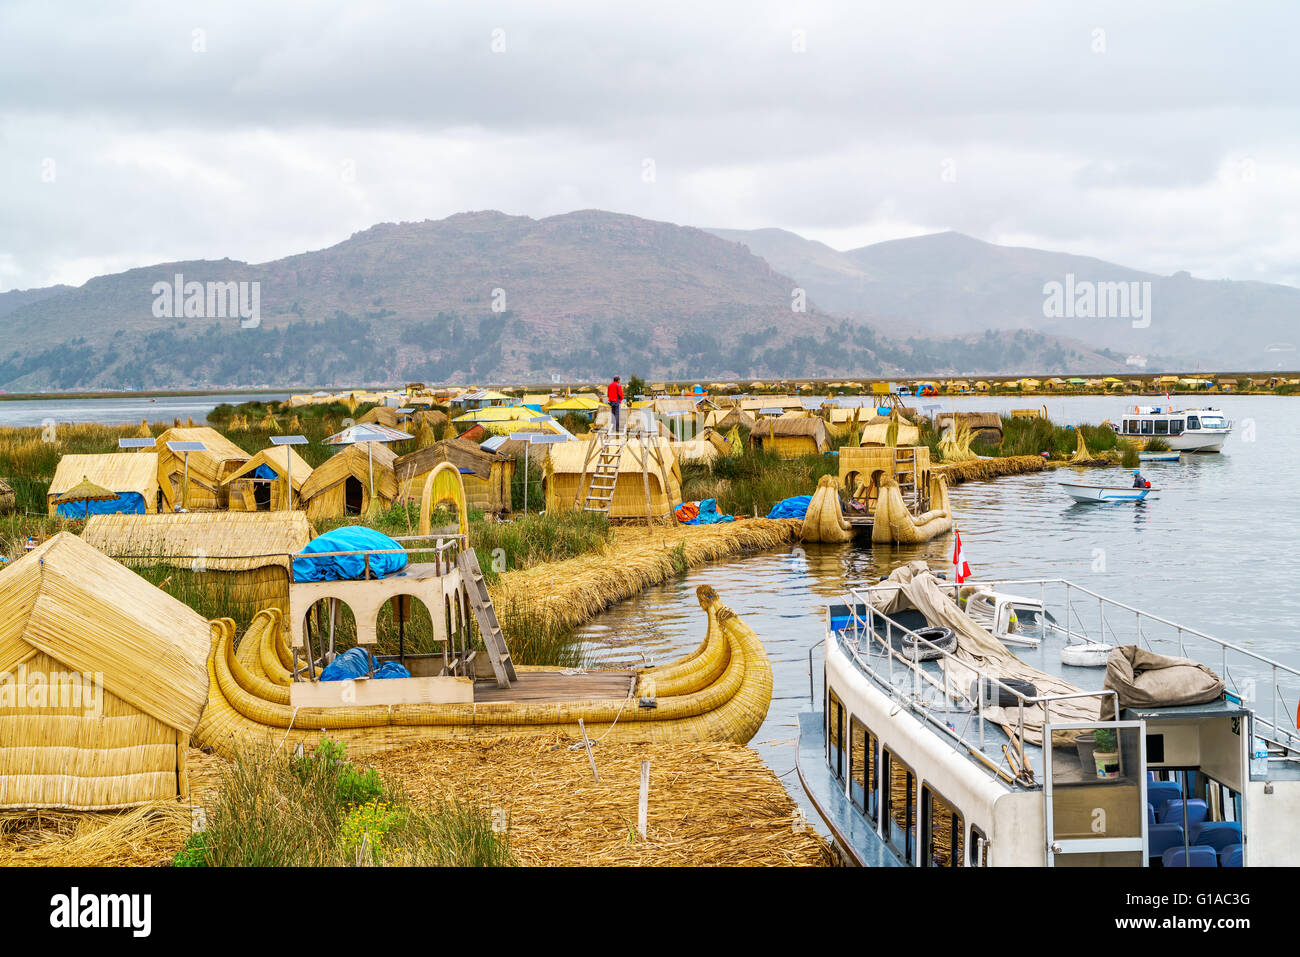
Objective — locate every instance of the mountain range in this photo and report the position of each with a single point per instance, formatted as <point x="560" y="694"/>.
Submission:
<point x="486" y="296"/>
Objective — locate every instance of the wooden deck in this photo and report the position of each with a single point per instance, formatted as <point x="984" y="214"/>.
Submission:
<point x="556" y="686"/>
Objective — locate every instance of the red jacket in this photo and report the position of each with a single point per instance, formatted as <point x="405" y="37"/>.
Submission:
<point x="614" y="393"/>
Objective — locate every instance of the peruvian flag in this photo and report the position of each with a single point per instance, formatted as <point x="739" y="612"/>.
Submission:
<point x="959" y="559"/>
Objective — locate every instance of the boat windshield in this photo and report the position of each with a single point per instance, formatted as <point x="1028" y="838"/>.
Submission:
<point x="1211" y="421"/>
<point x="1029" y="616"/>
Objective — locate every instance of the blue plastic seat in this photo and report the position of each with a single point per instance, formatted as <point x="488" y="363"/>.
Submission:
<point x="1198" y="855"/>
<point x="1197" y="812"/>
<point x="1151" y="817"/>
<point x="1161" y="837"/>
<point x="1231" y="856"/>
<point x="1162" y="792"/>
<point x="1217" y="834"/>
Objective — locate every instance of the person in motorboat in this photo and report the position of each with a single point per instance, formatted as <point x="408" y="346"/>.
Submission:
<point x="1139" y="481"/>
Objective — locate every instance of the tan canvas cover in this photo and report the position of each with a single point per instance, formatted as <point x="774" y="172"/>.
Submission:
<point x="1144" y="679"/>
<point x="976" y="648"/>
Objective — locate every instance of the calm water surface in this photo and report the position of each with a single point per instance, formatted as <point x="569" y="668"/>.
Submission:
<point x="117" y="410"/>
<point x="1216" y="550"/>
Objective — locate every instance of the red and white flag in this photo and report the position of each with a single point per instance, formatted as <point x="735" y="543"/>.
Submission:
<point x="959" y="559"/>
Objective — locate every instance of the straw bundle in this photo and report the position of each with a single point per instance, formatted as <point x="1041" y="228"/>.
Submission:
<point x="955" y="444"/>
<point x="143" y="432"/>
<point x="983" y="469"/>
<point x="144" y="836"/>
<point x="269" y="422"/>
<point x="709" y="804"/>
<point x="733" y="440"/>
<point x="114" y="741"/>
<point x="425" y="436"/>
<point x="824" y="521"/>
<point x="295" y="426"/>
<point x="8" y="501"/>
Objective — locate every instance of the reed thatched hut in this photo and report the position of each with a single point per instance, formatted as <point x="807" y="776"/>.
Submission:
<point x="792" y="437"/>
<point x="238" y="557"/>
<point x="105" y="677"/>
<point x="651" y="461"/>
<point x="486" y="475"/>
<point x="726" y="419"/>
<point x="343" y="484"/>
<point x="260" y="485"/>
<point x="987" y="423"/>
<point x="876" y="431"/>
<point x="132" y="475"/>
<point x="207" y="469"/>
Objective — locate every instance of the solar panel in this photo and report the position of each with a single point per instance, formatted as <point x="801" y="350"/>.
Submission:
<point x="134" y="443"/>
<point x="541" y="438"/>
<point x="493" y="443"/>
<point x="288" y="440"/>
<point x="187" y="446"/>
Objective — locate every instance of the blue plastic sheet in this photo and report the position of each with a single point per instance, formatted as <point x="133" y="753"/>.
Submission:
<point x="709" y="514"/>
<point x="354" y="663"/>
<point x="127" y="503"/>
<point x="349" y="538"/>
<point x="265" y="472"/>
<point x="795" y="507"/>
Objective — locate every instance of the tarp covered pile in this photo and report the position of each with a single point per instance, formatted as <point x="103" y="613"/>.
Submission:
<point x="348" y="538"/>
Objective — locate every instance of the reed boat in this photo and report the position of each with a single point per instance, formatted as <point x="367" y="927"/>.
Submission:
<point x="984" y="758"/>
<point x="1098" y="494"/>
<point x="719" y="692"/>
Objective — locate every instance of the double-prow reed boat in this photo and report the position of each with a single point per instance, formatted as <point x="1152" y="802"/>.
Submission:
<point x="970" y="756"/>
<point x="267" y="685"/>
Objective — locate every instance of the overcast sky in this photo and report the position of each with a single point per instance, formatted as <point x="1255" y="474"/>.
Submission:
<point x="1157" y="135"/>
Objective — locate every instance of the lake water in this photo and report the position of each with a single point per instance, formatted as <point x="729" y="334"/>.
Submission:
<point x="122" y="409"/>
<point x="1216" y="550"/>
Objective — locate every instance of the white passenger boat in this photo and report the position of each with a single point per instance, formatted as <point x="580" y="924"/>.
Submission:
<point x="907" y="770"/>
<point x="1082" y="492"/>
<point x="1186" y="430"/>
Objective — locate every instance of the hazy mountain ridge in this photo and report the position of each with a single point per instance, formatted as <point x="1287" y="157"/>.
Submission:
<point x="485" y="295"/>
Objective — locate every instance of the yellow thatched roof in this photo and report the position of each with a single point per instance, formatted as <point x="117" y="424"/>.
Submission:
<point x="277" y="457"/>
<point x="93" y="615"/>
<point x="569" y="457"/>
<point x="221" y="541"/>
<point x="357" y="462"/>
<point x="219" y="448"/>
<point x="116" y="471"/>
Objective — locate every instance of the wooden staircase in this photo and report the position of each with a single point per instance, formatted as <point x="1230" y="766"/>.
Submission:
<point x="905" y="473"/>
<point x="608" y="452"/>
<point x="488" y="626"/>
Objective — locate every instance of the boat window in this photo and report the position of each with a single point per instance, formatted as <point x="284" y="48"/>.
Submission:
<point x="1162" y="426"/>
<point x="944" y="832"/>
<point x="835" y="734"/>
<point x="1211" y="422"/>
<point x="1147" y="427"/>
<point x="1193" y="422"/>
<point x="979" y="848"/>
<point x="862" y="768"/>
<point x="1175" y="426"/>
<point x="1128" y="427"/>
<point x="900" y="805"/>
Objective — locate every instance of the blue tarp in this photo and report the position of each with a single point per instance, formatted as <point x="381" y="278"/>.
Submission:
<point x="796" y="507"/>
<point x="265" y="472"/>
<point x="709" y="514"/>
<point x="349" y="538"/>
<point x="127" y="503"/>
<point x="354" y="663"/>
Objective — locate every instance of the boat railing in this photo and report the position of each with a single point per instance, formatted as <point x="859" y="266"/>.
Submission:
<point x="1270" y="688"/>
<point x="446" y="548"/>
<point x="876" y="629"/>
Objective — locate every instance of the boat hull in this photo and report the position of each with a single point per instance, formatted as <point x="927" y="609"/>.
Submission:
<point x="1102" y="494"/>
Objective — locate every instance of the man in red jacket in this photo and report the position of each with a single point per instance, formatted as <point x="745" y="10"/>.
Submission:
<point x="615" y="395"/>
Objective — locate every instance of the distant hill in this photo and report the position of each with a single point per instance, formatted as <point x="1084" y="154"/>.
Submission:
<point x="17" y="298"/>
<point x="952" y="284"/>
<point x="486" y="296"/>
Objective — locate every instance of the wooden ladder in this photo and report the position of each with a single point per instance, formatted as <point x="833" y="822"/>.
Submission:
<point x="608" y="452"/>
<point x="905" y="473"/>
<point x="488" y="626"/>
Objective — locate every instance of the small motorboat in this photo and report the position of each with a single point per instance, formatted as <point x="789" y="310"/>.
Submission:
<point x="1158" y="456"/>
<point x="1096" y="494"/>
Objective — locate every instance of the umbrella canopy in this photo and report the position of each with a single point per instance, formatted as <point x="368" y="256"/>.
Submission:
<point x="369" y="432"/>
<point x="86" y="491"/>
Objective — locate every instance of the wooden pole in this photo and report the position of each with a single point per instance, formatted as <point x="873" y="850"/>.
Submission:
<point x="643" y="803"/>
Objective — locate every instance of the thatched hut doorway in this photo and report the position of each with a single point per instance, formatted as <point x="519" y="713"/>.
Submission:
<point x="354" y="495"/>
<point x="262" y="496"/>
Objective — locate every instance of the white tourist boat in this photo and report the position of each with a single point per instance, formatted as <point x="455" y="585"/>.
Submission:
<point x="906" y="768"/>
<point x="1083" y="492"/>
<point x="1185" y="430"/>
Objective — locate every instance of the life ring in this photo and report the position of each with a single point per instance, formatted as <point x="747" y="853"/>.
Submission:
<point x="941" y="639"/>
<point x="1086" y="654"/>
